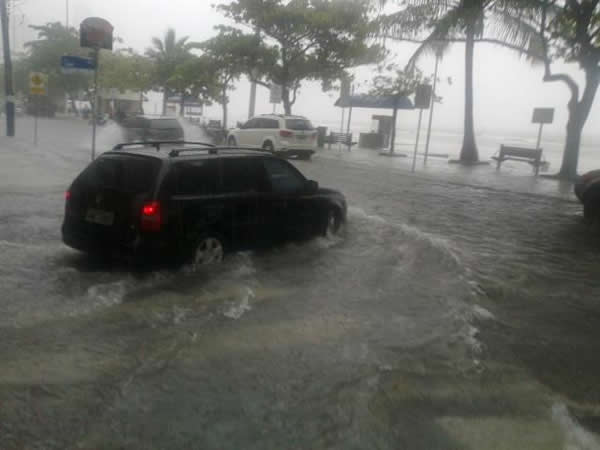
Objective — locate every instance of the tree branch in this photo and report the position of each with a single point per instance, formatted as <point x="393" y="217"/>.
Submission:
<point x="548" y="75"/>
<point x="261" y="83"/>
<point x="295" y="92"/>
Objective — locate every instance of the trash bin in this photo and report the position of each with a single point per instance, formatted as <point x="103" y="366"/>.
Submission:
<point x="321" y="136"/>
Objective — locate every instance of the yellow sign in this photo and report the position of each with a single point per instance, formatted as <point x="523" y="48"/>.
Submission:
<point x="38" y="83"/>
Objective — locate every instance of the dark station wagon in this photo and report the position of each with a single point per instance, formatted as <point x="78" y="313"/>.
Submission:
<point x="194" y="202"/>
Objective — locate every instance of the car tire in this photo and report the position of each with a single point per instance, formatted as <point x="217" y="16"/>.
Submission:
<point x="304" y="157"/>
<point x="208" y="250"/>
<point x="231" y="141"/>
<point x="333" y="222"/>
<point x="268" y="147"/>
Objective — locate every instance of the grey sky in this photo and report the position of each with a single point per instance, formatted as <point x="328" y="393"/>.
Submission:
<point x="506" y="88"/>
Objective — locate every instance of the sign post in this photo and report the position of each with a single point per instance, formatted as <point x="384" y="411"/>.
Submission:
<point x="435" y="75"/>
<point x="422" y="101"/>
<point x="38" y="86"/>
<point x="542" y="116"/>
<point x="275" y="94"/>
<point x="95" y="33"/>
<point x="95" y="103"/>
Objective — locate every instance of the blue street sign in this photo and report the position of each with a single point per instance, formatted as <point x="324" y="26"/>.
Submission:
<point x="71" y="64"/>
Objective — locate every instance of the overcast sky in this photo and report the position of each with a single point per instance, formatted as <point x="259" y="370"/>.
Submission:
<point x="507" y="87"/>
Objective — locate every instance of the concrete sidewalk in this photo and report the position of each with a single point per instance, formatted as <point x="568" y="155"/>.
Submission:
<point x="512" y="177"/>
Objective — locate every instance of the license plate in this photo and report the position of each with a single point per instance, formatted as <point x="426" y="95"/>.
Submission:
<point x="100" y="217"/>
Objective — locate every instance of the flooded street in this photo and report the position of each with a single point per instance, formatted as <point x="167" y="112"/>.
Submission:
<point x="447" y="315"/>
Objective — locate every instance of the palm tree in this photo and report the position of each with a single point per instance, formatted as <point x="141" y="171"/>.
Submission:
<point x="501" y="22"/>
<point x="167" y="55"/>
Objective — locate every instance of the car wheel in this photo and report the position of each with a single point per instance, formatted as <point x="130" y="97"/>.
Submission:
<point x="334" y="222"/>
<point x="268" y="147"/>
<point x="304" y="156"/>
<point x="231" y="141"/>
<point x="209" y="250"/>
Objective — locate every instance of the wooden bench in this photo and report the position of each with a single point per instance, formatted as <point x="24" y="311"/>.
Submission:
<point x="340" y="138"/>
<point x="529" y="155"/>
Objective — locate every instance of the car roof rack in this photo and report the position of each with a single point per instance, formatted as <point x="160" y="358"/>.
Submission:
<point x="213" y="150"/>
<point x="157" y="144"/>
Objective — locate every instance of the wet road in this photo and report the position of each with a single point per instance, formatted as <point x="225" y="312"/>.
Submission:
<point x="445" y="316"/>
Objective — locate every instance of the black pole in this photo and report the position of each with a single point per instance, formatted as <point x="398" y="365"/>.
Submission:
<point x="394" y="116"/>
<point x="8" y="73"/>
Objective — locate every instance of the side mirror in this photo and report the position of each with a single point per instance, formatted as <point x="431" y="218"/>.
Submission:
<point x="312" y="186"/>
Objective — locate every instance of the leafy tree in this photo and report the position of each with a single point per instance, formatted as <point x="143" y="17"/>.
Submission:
<point x="569" y="30"/>
<point x="396" y="83"/>
<point x="43" y="55"/>
<point x="126" y="70"/>
<point x="167" y="54"/>
<point x="195" y="78"/>
<point x="437" y="23"/>
<point x="231" y="54"/>
<point x="311" y="39"/>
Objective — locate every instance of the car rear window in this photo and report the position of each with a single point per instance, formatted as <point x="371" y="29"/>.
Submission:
<point x="126" y="174"/>
<point x="298" y="124"/>
<point x="197" y="177"/>
<point x="164" y="123"/>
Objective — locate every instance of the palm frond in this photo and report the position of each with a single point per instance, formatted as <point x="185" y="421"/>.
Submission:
<point x="439" y="39"/>
<point x="408" y="22"/>
<point x="511" y="26"/>
<point x="158" y="45"/>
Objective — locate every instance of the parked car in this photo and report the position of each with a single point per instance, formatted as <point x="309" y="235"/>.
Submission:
<point x="587" y="190"/>
<point x="149" y="128"/>
<point x="286" y="136"/>
<point x="194" y="203"/>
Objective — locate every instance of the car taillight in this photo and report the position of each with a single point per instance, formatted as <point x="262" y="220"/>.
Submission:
<point x="285" y="133"/>
<point x="151" y="219"/>
<point x="67" y="198"/>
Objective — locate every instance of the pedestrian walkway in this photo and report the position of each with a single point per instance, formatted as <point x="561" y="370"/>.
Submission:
<point x="514" y="176"/>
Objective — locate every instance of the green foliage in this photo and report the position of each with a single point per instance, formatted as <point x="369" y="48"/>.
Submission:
<point x="232" y="53"/>
<point x="310" y="39"/>
<point x="573" y="32"/>
<point x="43" y="55"/>
<point x="126" y="70"/>
<point x="195" y="78"/>
<point x="437" y="23"/>
<point x="397" y="82"/>
<point x="167" y="54"/>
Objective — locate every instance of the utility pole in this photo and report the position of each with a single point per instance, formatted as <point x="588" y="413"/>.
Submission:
<point x="67" y="14"/>
<point x="8" y="73"/>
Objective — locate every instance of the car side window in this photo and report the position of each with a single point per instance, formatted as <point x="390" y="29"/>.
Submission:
<point x="200" y="177"/>
<point x="283" y="177"/>
<point x="243" y="175"/>
<point x="252" y="123"/>
<point x="272" y="124"/>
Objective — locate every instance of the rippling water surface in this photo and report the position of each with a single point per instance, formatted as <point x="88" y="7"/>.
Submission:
<point x="443" y="316"/>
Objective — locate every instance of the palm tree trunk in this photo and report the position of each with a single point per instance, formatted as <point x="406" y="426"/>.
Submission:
<point x="469" y="153"/>
<point x="224" y="105"/>
<point x="164" y="105"/>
